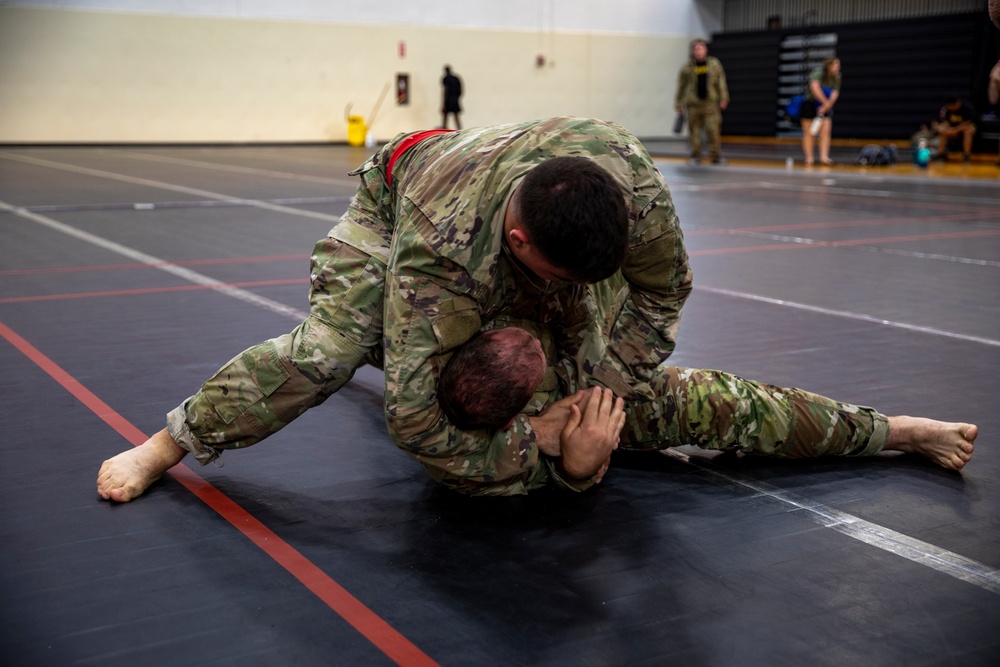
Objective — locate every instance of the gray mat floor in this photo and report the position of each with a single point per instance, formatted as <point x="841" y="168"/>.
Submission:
<point x="129" y="275"/>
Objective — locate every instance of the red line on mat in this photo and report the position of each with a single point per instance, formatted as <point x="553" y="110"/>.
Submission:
<point x="832" y="224"/>
<point x="141" y="265"/>
<point x="151" y="290"/>
<point x="836" y="244"/>
<point x="386" y="638"/>
<point x="901" y="197"/>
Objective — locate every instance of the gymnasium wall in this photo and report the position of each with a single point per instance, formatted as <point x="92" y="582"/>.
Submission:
<point x="85" y="75"/>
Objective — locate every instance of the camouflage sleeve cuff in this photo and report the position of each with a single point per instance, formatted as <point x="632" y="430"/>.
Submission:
<point x="181" y="433"/>
<point x="562" y="480"/>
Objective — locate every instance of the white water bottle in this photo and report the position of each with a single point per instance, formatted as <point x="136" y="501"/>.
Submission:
<point x="816" y="124"/>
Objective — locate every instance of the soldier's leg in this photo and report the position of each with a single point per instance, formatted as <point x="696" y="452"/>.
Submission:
<point x="696" y="123"/>
<point x="717" y="410"/>
<point x="713" y="132"/>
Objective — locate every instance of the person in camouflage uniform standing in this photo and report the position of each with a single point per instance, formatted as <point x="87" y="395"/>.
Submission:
<point x="702" y="95"/>
<point x="440" y="240"/>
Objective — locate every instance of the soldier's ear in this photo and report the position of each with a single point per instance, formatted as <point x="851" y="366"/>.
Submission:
<point x="517" y="238"/>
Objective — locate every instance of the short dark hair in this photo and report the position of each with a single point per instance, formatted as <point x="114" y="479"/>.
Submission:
<point x="575" y="212"/>
<point x="485" y="383"/>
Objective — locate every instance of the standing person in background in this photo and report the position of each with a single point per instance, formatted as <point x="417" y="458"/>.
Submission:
<point x="703" y="95"/>
<point x="817" y="109"/>
<point x="452" y="92"/>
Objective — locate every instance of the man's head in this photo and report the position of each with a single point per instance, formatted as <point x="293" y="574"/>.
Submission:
<point x="952" y="101"/>
<point x="699" y="50"/>
<point x="490" y="379"/>
<point x="568" y="221"/>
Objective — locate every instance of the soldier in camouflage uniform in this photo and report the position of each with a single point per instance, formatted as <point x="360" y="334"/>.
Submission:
<point x="702" y="94"/>
<point x="430" y="250"/>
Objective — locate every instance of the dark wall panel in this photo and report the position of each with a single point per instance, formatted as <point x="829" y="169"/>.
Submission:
<point x="895" y="73"/>
<point x="751" y="63"/>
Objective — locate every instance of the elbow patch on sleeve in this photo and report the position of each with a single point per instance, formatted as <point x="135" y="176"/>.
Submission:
<point x="457" y="321"/>
<point x="416" y="348"/>
<point x="652" y="264"/>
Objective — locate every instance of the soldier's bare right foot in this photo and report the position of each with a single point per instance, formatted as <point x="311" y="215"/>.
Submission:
<point x="126" y="476"/>
<point x="950" y="445"/>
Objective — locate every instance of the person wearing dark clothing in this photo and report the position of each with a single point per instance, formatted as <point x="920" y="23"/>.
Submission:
<point x="452" y="92"/>
<point x="956" y="119"/>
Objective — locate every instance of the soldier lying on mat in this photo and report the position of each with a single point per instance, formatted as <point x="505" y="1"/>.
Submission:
<point x="491" y="379"/>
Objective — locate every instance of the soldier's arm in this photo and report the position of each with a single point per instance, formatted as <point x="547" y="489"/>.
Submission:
<point x="659" y="278"/>
<point x="723" y="87"/>
<point x="682" y="77"/>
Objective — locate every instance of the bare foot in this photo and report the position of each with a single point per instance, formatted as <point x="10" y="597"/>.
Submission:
<point x="947" y="444"/>
<point x="127" y="475"/>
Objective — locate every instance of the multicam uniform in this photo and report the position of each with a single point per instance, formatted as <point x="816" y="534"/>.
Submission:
<point x="684" y="406"/>
<point x="426" y="252"/>
<point x="703" y="113"/>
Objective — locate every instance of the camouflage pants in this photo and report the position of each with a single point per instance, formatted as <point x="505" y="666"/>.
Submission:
<point x="717" y="410"/>
<point x="705" y="116"/>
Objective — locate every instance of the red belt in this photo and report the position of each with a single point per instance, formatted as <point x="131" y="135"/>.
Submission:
<point x="405" y="145"/>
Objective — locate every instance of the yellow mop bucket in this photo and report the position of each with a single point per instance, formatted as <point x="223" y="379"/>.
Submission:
<point x="356" y="130"/>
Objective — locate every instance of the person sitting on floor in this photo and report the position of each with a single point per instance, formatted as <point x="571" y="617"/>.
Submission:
<point x="955" y="120"/>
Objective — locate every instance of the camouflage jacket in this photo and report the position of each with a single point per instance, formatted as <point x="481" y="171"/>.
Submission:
<point x="450" y="274"/>
<point x="687" y="83"/>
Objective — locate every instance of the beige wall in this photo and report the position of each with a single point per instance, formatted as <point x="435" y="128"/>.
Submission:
<point x="88" y="76"/>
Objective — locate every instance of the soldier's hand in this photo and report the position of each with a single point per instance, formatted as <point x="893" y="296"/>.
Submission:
<point x="548" y="425"/>
<point x="591" y="434"/>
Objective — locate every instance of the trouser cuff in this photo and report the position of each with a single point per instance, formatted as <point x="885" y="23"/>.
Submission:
<point x="880" y="435"/>
<point x="184" y="437"/>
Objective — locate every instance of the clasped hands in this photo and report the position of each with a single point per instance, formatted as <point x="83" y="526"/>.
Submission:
<point x="582" y="429"/>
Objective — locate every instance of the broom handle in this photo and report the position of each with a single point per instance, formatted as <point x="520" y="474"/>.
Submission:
<point x="371" y="119"/>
